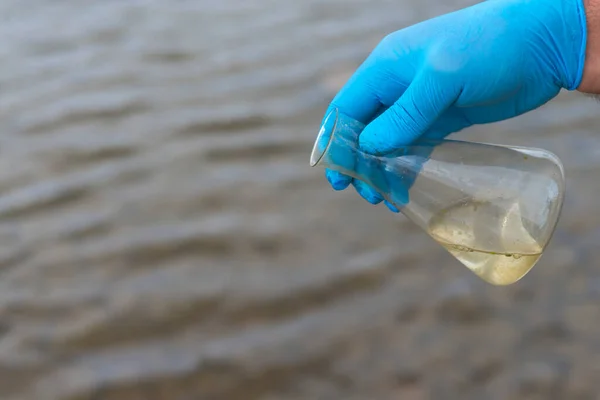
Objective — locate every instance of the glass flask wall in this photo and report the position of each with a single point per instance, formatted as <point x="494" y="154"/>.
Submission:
<point x="492" y="207"/>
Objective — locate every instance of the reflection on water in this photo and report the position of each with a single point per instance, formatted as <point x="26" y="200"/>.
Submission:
<point x="164" y="238"/>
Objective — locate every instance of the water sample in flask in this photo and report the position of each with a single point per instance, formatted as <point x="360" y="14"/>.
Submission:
<point x="493" y="207"/>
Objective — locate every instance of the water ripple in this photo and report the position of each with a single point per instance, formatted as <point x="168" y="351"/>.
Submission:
<point x="164" y="237"/>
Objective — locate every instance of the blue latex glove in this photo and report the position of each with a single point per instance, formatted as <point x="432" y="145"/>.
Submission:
<point x="482" y="64"/>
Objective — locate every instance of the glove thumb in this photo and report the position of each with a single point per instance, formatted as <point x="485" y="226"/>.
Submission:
<point x="426" y="98"/>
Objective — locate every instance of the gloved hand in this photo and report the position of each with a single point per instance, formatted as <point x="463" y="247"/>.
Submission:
<point x="482" y="64"/>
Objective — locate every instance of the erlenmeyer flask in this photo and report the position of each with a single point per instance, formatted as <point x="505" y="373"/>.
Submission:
<point x="493" y="207"/>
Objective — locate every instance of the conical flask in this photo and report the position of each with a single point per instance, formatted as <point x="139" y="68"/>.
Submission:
<point x="494" y="208"/>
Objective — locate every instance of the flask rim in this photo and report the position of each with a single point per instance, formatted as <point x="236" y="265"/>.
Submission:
<point x="317" y="154"/>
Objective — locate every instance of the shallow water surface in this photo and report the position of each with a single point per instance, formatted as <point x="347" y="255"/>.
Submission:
<point x="163" y="236"/>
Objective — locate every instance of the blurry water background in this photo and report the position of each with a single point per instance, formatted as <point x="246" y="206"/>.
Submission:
<point x="163" y="237"/>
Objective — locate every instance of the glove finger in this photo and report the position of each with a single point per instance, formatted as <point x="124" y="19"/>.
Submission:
<point x="337" y="180"/>
<point x="427" y="97"/>
<point x="367" y="192"/>
<point x="391" y="207"/>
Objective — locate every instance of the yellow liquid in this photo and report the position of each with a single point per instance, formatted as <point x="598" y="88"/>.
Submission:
<point x="489" y="240"/>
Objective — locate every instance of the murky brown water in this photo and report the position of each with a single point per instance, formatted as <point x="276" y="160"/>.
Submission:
<point x="164" y="238"/>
